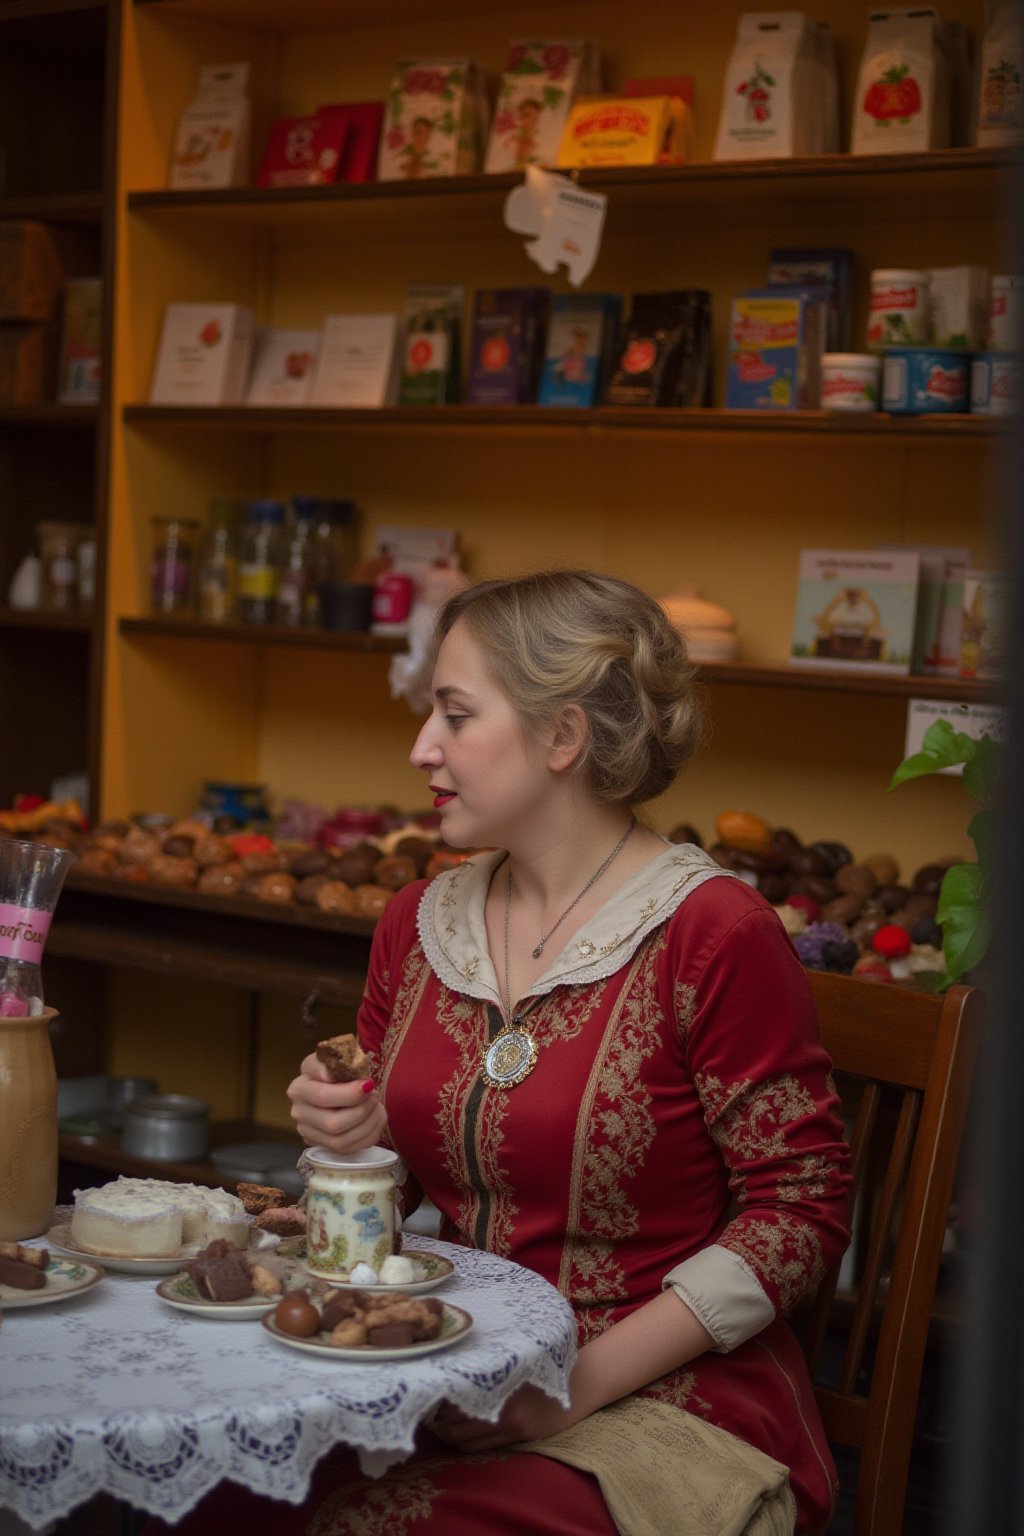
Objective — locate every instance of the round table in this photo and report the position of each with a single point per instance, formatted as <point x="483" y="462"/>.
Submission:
<point x="113" y="1391"/>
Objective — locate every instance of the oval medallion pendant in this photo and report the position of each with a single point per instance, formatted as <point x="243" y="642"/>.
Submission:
<point x="510" y="1058"/>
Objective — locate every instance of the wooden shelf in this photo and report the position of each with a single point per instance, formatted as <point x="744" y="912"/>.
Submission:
<point x="732" y="189"/>
<point x="264" y="634"/>
<point x="38" y="618"/>
<point x="835" y="680"/>
<point x="49" y="415"/>
<point x="106" y="1153"/>
<point x="602" y="418"/>
<point x="236" y="941"/>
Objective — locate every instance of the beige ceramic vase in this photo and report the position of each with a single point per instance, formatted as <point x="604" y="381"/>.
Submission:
<point x="28" y="1126"/>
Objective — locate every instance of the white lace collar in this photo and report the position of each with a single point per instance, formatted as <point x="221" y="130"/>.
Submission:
<point x="451" y="922"/>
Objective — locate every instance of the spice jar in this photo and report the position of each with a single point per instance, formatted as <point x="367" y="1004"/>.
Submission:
<point x="174" y="542"/>
<point x="259" y="568"/>
<point x="58" y="544"/>
<point x="218" y="564"/>
<point x="350" y="1210"/>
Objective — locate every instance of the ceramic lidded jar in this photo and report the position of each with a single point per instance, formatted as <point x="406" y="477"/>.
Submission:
<point x="28" y="1126"/>
<point x="350" y="1210"/>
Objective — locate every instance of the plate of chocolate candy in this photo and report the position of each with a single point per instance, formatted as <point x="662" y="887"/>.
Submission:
<point x="30" y="1277"/>
<point x="228" y="1283"/>
<point x="358" y="1325"/>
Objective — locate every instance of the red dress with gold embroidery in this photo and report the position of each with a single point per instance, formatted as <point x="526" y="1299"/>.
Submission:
<point x="681" y="1112"/>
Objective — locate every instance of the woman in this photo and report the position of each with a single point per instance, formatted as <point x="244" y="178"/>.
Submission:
<point x="584" y="1043"/>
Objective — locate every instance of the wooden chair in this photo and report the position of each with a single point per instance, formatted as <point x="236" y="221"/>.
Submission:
<point x="904" y="1064"/>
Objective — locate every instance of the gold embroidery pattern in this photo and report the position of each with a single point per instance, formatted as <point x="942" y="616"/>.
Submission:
<point x="678" y="1390"/>
<point x="389" y="1506"/>
<point x="784" y="1253"/>
<point x="463" y="1020"/>
<point x="749" y="1120"/>
<point x="414" y="976"/>
<point x="686" y="1007"/>
<point x="615" y="1130"/>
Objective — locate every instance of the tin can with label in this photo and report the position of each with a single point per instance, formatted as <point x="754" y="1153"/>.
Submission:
<point x="350" y="1210"/>
<point x="996" y="380"/>
<point x="849" y="381"/>
<point x="922" y="381"/>
<point x="1006" y="313"/>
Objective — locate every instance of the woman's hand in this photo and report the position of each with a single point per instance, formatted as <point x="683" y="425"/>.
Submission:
<point x="344" y="1117"/>
<point x="529" y="1414"/>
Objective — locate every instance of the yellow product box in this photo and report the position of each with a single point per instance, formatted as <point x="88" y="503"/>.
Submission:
<point x="624" y="130"/>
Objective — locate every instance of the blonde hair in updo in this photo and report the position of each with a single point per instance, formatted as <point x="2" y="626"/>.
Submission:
<point x="574" y="637"/>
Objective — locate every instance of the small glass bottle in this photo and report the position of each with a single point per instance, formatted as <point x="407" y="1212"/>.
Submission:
<point x="58" y="543"/>
<point x="218" y="564"/>
<point x="294" y="588"/>
<point x="171" y="573"/>
<point x="334" y="548"/>
<point x="260" y="562"/>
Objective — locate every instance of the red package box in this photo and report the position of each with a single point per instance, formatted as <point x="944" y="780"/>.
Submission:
<point x="359" y="156"/>
<point x="305" y="151"/>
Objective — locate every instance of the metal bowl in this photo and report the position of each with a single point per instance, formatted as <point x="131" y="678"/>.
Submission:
<point x="168" y="1127"/>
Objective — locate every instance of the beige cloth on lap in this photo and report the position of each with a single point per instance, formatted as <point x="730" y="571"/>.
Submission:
<point x="665" y="1471"/>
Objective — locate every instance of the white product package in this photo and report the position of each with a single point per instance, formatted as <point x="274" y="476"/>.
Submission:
<point x="211" y="147"/>
<point x="902" y="99"/>
<point x="779" y="89"/>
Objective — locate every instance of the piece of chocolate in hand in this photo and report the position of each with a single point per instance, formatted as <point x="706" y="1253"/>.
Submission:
<point x="344" y="1058"/>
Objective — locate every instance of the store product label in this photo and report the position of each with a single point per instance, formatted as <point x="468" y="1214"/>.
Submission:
<point x="974" y="720"/>
<point x="23" y="932"/>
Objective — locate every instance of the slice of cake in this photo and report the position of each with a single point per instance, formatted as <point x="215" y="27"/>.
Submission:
<point x="344" y="1058"/>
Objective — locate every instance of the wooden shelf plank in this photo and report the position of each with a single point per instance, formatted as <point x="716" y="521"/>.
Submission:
<point x="943" y="172"/>
<point x="533" y="418"/>
<point x="835" y="680"/>
<point x="107" y="1154"/>
<point x="53" y="207"/>
<point x="361" y="641"/>
<point x="50" y="414"/>
<point x="38" y="618"/>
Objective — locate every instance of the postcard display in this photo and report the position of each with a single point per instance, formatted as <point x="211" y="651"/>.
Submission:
<point x="435" y="122"/>
<point x="540" y="82"/>
<point x="856" y="608"/>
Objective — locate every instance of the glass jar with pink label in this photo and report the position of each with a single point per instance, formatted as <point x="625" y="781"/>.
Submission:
<point x="31" y="876"/>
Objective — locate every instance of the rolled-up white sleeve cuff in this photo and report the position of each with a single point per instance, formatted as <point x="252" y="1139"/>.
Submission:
<point x="723" y="1294"/>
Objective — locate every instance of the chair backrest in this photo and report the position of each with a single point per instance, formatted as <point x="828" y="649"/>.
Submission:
<point x="904" y="1065"/>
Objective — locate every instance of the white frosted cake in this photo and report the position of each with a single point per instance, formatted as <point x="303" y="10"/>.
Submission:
<point x="154" y="1218"/>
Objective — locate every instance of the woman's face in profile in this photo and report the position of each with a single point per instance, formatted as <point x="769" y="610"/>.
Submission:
<point x="485" y="771"/>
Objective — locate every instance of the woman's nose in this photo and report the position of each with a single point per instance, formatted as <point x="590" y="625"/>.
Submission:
<point x="425" y="752"/>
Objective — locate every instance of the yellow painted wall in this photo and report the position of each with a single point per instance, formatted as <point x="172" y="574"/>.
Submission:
<point x="724" y="513"/>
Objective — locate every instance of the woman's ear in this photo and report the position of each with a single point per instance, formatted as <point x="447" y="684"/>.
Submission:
<point x="569" y="738"/>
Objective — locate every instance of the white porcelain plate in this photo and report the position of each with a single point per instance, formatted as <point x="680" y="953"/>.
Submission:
<point x="455" y="1324"/>
<point x="180" y="1291"/>
<point x="59" y="1239"/>
<point x="64" y="1278"/>
<point x="429" y="1270"/>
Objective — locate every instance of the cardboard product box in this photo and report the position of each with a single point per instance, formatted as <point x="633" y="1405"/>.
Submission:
<point x="24" y="349"/>
<point x="940" y="601"/>
<point x="775" y="350"/>
<point x="357" y="363"/>
<point x="211" y="147"/>
<point x="204" y="355"/>
<point x="625" y="130"/>
<point x="958" y="307"/>
<point x="305" y="151"/>
<point x="828" y="265"/>
<point x="580" y="351"/>
<point x="362" y="140"/>
<point x="31" y="275"/>
<point x="432" y="328"/>
<point x="81" y="332"/>
<point x="855" y="608"/>
<point x="542" y="78"/>
<point x="283" y="366"/>
<point x="435" y="122"/>
<point x="663" y="355"/>
<point x="507" y="345"/>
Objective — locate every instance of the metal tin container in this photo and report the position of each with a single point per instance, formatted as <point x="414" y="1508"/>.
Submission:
<point x="168" y="1127"/>
<point x="922" y="381"/>
<point x="996" y="383"/>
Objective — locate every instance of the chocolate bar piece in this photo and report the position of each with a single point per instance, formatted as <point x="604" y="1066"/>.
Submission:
<point x="344" y="1058"/>
<point x="39" y="1258"/>
<point x="389" y="1335"/>
<point x="23" y="1277"/>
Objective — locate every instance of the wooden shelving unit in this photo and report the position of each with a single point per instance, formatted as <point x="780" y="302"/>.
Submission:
<point x="355" y="641"/>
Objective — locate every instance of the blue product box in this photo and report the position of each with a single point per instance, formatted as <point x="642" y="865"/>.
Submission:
<point x="506" y="345"/>
<point x="775" y="349"/>
<point x="831" y="266"/>
<point x="582" y="333"/>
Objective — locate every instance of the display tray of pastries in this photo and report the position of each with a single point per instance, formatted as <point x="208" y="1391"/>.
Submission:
<point x="360" y="1325"/>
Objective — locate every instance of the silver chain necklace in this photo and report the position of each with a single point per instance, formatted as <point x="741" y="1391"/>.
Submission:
<point x="512" y="1055"/>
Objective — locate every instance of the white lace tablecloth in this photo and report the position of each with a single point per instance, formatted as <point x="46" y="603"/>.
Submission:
<point x="115" y="1392"/>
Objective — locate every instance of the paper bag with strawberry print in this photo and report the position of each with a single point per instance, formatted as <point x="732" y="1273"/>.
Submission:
<point x="778" y="87"/>
<point x="902" y="99"/>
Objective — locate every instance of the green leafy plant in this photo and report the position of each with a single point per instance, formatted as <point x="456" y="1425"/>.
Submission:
<point x="963" y="913"/>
